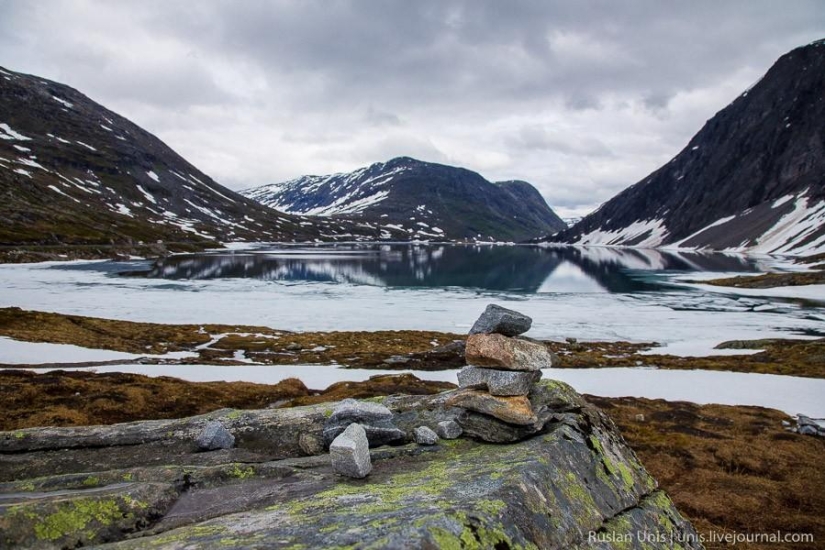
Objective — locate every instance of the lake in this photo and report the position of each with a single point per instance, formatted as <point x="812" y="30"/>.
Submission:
<point x="583" y="292"/>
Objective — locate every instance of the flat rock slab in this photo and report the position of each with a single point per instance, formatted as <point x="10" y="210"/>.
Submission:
<point x="500" y="320"/>
<point x="376" y="419"/>
<point x="500" y="352"/>
<point x="513" y="410"/>
<point x="350" y="453"/>
<point x="498" y="382"/>
<point x="361" y="412"/>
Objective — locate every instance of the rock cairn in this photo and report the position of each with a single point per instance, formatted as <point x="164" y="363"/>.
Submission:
<point x="501" y="370"/>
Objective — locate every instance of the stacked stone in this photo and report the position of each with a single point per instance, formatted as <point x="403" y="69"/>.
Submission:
<point x="501" y="369"/>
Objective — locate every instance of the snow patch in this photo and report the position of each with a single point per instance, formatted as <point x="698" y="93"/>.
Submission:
<point x="8" y="134"/>
<point x="63" y="102"/>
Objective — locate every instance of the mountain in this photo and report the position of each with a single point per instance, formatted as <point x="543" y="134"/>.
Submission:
<point x="425" y="200"/>
<point x="73" y="172"/>
<point x="752" y="179"/>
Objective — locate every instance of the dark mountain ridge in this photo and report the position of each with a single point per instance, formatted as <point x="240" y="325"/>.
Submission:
<point x="753" y="178"/>
<point x="425" y="200"/>
<point x="73" y="172"/>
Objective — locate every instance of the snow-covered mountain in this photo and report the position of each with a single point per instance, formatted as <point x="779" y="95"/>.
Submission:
<point x="73" y="172"/>
<point x="752" y="179"/>
<point x="422" y="199"/>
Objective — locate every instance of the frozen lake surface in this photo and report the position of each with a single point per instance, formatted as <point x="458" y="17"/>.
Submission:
<point x="586" y="293"/>
<point x="790" y="394"/>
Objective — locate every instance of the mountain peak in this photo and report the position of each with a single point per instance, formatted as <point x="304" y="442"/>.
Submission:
<point x="425" y="200"/>
<point x="750" y="180"/>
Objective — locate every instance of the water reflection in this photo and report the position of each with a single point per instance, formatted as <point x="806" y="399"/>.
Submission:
<point x="492" y="268"/>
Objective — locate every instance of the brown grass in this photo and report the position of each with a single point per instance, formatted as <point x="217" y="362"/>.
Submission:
<point x="729" y="469"/>
<point x="79" y="398"/>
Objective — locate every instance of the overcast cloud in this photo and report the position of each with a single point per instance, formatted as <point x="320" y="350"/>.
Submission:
<point x="582" y="99"/>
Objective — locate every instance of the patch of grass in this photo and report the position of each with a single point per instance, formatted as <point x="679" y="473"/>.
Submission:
<point x="727" y="468"/>
<point x="773" y="280"/>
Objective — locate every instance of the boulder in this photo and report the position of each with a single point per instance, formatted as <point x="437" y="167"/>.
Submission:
<point x="215" y="436"/>
<point x="448" y="429"/>
<point x="512" y="410"/>
<point x="425" y="436"/>
<point x="499" y="320"/>
<point x="350" y="453"/>
<point x="498" y="382"/>
<point x="500" y="352"/>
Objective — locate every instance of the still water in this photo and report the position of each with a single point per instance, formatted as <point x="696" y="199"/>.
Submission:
<point x="528" y="270"/>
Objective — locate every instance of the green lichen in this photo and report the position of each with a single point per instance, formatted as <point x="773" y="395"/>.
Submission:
<point x="241" y="473"/>
<point x="74" y="517"/>
<point x="327" y="412"/>
<point x="91" y="481"/>
<point x="19" y="435"/>
<point x="127" y="476"/>
<point x="234" y="414"/>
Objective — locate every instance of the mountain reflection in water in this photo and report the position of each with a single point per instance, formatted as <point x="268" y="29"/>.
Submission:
<point x="492" y="268"/>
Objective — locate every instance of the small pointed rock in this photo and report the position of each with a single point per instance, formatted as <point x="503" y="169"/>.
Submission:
<point x="350" y="453"/>
<point x="500" y="320"/>
<point x="214" y="436"/>
<point x="425" y="436"/>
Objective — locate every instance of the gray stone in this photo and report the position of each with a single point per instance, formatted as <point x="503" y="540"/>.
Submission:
<point x="396" y="360"/>
<point x="215" y="436"/>
<point x="497" y="319"/>
<point x="449" y="429"/>
<point x="425" y="436"/>
<point x="359" y="411"/>
<point x="350" y="453"/>
<point x="376" y="419"/>
<point x="384" y="433"/>
<point x="500" y="352"/>
<point x="498" y="382"/>
<point x="807" y="429"/>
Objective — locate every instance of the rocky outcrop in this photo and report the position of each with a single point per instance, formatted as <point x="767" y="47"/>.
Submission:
<point x="571" y="482"/>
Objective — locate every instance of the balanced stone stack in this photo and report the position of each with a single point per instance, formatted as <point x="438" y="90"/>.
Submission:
<point x="501" y="369"/>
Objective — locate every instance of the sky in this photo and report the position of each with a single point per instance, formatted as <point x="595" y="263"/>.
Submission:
<point x="582" y="99"/>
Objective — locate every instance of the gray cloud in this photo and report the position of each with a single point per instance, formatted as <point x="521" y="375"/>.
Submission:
<point x="582" y="99"/>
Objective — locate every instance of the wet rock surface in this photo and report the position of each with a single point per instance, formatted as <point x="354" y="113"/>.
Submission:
<point x="500" y="320"/>
<point x="145" y="484"/>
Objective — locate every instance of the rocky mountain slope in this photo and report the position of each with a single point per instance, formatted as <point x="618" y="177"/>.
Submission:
<point x="73" y="172"/>
<point x="427" y="201"/>
<point x="752" y="179"/>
